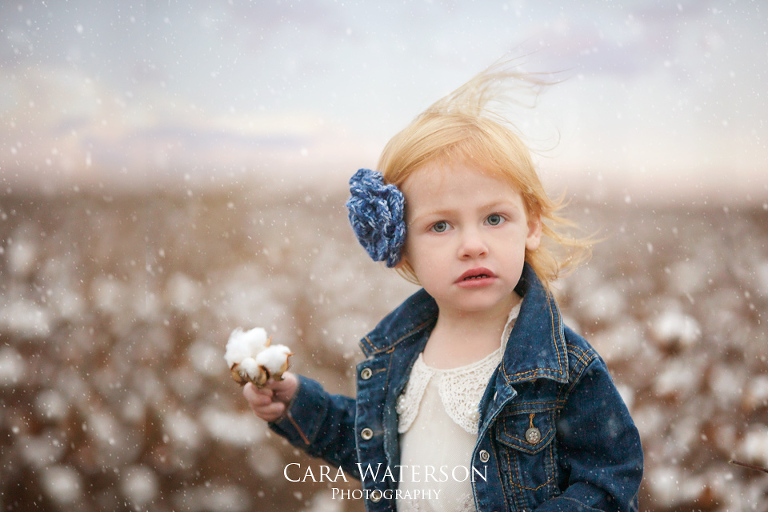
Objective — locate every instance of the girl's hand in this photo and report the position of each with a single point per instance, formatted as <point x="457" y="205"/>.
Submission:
<point x="270" y="402"/>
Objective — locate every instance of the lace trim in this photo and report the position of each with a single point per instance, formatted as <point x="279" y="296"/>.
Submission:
<point x="464" y="504"/>
<point x="460" y="388"/>
<point x="460" y="391"/>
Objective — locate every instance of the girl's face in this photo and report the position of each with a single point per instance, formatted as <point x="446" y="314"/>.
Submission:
<point x="467" y="237"/>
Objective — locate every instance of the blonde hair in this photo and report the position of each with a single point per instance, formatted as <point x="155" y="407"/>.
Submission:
<point x="463" y="127"/>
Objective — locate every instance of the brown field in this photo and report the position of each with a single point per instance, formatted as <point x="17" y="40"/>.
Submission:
<point x="114" y="312"/>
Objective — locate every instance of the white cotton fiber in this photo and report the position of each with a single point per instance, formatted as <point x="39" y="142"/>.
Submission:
<point x="250" y="367"/>
<point x="245" y="344"/>
<point x="250" y="357"/>
<point x="274" y="358"/>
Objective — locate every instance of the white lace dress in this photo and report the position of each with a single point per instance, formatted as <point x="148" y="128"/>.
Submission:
<point x="438" y="422"/>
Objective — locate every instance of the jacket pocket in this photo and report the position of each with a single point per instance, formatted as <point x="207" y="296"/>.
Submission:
<point x="527" y="455"/>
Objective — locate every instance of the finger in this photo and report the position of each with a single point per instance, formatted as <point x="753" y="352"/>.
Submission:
<point x="270" y="412"/>
<point x="250" y="390"/>
<point x="256" y="397"/>
<point x="286" y="388"/>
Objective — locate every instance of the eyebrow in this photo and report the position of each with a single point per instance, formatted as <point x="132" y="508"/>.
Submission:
<point x="447" y="211"/>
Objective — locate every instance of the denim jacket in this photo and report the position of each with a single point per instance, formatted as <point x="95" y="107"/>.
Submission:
<point x="553" y="434"/>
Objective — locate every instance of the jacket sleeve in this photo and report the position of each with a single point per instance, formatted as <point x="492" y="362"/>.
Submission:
<point x="321" y="424"/>
<point x="599" y="445"/>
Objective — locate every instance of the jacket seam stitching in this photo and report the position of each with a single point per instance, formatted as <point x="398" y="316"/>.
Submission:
<point x="554" y="336"/>
<point x="375" y="350"/>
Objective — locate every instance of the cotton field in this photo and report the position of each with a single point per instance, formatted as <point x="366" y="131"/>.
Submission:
<point x="115" y="311"/>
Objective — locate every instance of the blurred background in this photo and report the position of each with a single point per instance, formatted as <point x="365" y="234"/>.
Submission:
<point x="172" y="170"/>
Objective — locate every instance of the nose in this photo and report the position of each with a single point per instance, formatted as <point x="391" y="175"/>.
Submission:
<point x="471" y="245"/>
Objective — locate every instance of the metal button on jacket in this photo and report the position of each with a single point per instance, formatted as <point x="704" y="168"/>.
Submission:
<point x="533" y="435"/>
<point x="366" y="373"/>
<point x="376" y="496"/>
<point x="366" y="434"/>
<point x="484" y="456"/>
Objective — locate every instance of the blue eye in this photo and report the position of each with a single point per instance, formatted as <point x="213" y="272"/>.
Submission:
<point x="494" y="219"/>
<point x="440" y="226"/>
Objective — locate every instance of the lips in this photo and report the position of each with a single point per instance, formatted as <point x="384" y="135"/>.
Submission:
<point x="476" y="275"/>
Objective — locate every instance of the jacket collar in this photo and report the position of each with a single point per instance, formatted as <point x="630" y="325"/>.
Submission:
<point x="417" y="313"/>
<point x="536" y="346"/>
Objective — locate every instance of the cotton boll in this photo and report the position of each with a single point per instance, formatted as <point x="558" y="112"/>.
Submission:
<point x="250" y="367"/>
<point x="251" y="358"/>
<point x="756" y="395"/>
<point x="754" y="447"/>
<point x="22" y="257"/>
<point x="672" y="487"/>
<point x="61" y="484"/>
<point x="140" y="485"/>
<point x="42" y="451"/>
<point x="249" y="371"/>
<point x="604" y="303"/>
<point x="621" y="341"/>
<point x="673" y="330"/>
<point x="256" y="339"/>
<point x="324" y="501"/>
<point x="236" y="349"/>
<point x="679" y="380"/>
<point x="234" y="429"/>
<point x="266" y="461"/>
<point x="762" y="278"/>
<point x="627" y="394"/>
<point x="664" y="483"/>
<point x="12" y="367"/>
<point x="230" y="498"/>
<point x="50" y="404"/>
<point x="245" y="344"/>
<point x="204" y="357"/>
<point x="274" y="359"/>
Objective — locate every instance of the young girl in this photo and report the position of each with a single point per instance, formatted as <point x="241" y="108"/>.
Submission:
<point x="473" y="394"/>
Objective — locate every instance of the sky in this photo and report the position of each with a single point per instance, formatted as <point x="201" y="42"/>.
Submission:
<point x="657" y="99"/>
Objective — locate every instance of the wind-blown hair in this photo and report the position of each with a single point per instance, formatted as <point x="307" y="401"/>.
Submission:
<point x="468" y="127"/>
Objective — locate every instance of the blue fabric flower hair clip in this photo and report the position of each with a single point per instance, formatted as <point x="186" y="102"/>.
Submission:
<point x="376" y="212"/>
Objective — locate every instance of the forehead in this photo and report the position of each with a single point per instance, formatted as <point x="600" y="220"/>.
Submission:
<point x="455" y="185"/>
<point x="439" y="175"/>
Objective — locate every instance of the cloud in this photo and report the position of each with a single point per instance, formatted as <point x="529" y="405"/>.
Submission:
<point x="624" y="43"/>
<point x="61" y="125"/>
